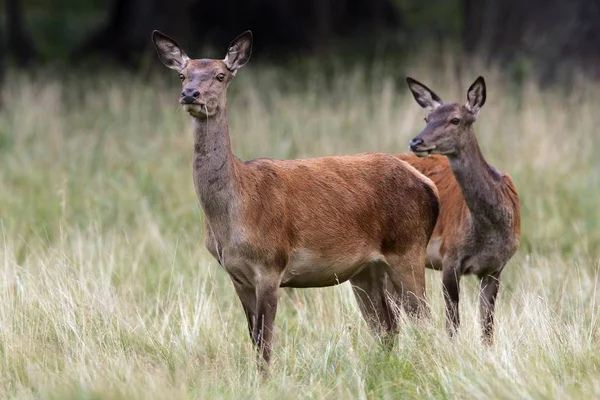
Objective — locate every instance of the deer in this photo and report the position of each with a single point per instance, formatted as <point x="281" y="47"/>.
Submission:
<point x="478" y="229"/>
<point x="317" y="222"/>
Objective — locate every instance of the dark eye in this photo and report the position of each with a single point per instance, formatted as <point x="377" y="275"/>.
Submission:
<point x="220" y="77"/>
<point x="181" y="77"/>
<point x="455" y="121"/>
<point x="426" y="120"/>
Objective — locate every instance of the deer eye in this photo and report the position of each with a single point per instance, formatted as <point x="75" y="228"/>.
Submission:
<point x="426" y="120"/>
<point x="455" y="121"/>
<point x="220" y="77"/>
<point x="181" y="77"/>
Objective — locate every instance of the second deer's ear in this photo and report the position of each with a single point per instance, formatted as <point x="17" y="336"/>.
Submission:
<point x="169" y="51"/>
<point x="476" y="96"/>
<point x="423" y="95"/>
<point x="239" y="52"/>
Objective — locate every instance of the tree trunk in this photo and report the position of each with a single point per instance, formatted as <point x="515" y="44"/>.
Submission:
<point x="2" y="64"/>
<point x="19" y="41"/>
<point x="130" y="23"/>
<point x="472" y="25"/>
<point x="322" y="25"/>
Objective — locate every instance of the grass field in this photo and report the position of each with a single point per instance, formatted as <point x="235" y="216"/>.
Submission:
<point x="107" y="292"/>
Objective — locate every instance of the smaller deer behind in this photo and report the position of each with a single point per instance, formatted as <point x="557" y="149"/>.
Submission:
<point x="478" y="229"/>
<point x="317" y="222"/>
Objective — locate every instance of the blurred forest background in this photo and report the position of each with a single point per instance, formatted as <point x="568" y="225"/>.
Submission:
<point x="548" y="37"/>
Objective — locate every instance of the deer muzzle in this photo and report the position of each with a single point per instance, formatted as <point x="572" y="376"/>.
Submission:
<point x="419" y="147"/>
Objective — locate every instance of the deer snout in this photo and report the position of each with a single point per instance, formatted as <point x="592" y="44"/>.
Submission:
<point x="415" y="143"/>
<point x="419" y="147"/>
<point x="189" y="95"/>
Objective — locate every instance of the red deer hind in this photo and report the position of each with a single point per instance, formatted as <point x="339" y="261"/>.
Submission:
<point x="478" y="229"/>
<point x="317" y="222"/>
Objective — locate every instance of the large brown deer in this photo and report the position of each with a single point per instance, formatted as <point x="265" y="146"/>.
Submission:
<point x="478" y="229"/>
<point x="316" y="222"/>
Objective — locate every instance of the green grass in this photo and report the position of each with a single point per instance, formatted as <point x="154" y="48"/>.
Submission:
<point x="106" y="290"/>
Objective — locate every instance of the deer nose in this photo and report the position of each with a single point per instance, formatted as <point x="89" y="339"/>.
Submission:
<point x="415" y="143"/>
<point x="189" y="95"/>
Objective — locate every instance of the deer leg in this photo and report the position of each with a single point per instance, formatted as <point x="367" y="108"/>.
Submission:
<point x="266" y="308"/>
<point x="407" y="273"/>
<point x="247" y="297"/>
<point x="260" y="306"/>
<point x="489" y="285"/>
<point x="451" y="283"/>
<point x="369" y="287"/>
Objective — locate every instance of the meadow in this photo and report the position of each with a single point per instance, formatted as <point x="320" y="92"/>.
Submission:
<point x="107" y="291"/>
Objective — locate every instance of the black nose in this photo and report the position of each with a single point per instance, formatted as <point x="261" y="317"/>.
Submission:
<point x="189" y="95"/>
<point x="415" y="143"/>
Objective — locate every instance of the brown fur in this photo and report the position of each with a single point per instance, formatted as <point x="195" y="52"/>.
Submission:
<point x="478" y="229"/>
<point x="317" y="222"/>
<point x="345" y="209"/>
<point x="454" y="213"/>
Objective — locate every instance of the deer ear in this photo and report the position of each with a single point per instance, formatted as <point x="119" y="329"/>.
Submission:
<point x="423" y="95"/>
<point x="476" y="96"/>
<point x="239" y="52"/>
<point x="169" y="51"/>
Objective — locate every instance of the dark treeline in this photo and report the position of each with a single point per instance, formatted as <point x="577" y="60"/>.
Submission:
<point x="281" y="25"/>
<point x="554" y="35"/>
<point x="550" y="35"/>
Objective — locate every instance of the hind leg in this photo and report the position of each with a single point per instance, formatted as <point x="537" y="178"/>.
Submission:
<point x="375" y="302"/>
<point x="407" y="273"/>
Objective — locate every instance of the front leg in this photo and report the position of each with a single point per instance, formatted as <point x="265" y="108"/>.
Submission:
<point x="451" y="282"/>
<point x="266" y="307"/>
<point x="489" y="286"/>
<point x="260" y="306"/>
<point x="247" y="295"/>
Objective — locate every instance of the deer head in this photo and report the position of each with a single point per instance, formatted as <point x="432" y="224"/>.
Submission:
<point x="449" y="126"/>
<point x="204" y="81"/>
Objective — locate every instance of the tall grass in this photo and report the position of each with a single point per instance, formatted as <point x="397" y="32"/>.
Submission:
<point x="106" y="290"/>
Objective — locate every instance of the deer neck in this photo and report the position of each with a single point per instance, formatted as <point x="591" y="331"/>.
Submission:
<point x="215" y="172"/>
<point x="478" y="182"/>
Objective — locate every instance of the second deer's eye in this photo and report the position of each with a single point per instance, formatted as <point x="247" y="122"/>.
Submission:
<point x="220" y="77"/>
<point x="181" y="77"/>
<point x="455" y="121"/>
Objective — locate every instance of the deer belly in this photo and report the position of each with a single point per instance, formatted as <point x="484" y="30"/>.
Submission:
<point x="307" y="269"/>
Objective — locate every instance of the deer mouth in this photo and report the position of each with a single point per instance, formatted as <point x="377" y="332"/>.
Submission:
<point x="422" y="151"/>
<point x="198" y="110"/>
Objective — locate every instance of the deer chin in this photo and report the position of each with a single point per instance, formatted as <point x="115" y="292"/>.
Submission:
<point x="442" y="153"/>
<point x="423" y="152"/>
<point x="198" y="111"/>
<point x="426" y="152"/>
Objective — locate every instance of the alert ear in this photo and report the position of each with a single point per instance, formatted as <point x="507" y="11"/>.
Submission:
<point x="423" y="95"/>
<point x="169" y="51"/>
<point x="239" y="52"/>
<point x="476" y="96"/>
